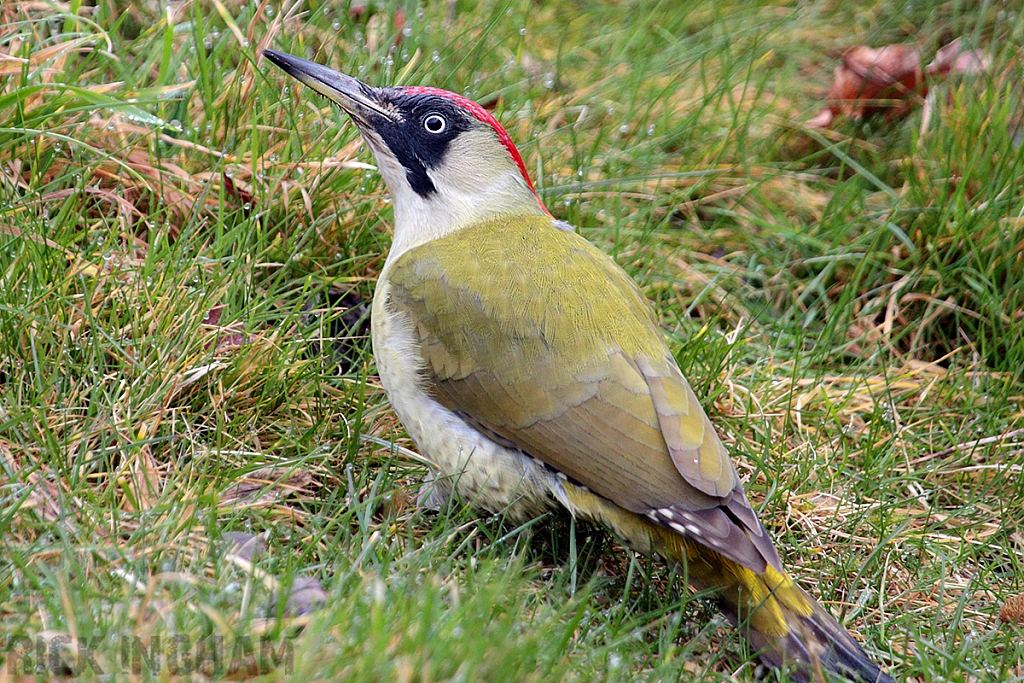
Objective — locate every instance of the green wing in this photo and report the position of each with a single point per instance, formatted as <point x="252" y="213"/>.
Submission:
<point x="548" y="346"/>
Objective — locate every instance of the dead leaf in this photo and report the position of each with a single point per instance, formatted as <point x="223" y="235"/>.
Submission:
<point x="1012" y="611"/>
<point x="144" y="478"/>
<point x="357" y="9"/>
<point x="951" y="59"/>
<point x="213" y="315"/>
<point x="228" y="336"/>
<point x="236" y="191"/>
<point x="890" y="80"/>
<point x="398" y="24"/>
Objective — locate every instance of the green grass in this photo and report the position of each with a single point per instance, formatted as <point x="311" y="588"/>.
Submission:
<point x="849" y="302"/>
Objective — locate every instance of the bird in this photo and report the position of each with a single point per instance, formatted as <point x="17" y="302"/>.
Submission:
<point x="530" y="370"/>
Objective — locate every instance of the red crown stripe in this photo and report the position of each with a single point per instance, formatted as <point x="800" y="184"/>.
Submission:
<point x="483" y="115"/>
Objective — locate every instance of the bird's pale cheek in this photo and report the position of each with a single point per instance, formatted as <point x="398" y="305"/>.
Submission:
<point x="390" y="168"/>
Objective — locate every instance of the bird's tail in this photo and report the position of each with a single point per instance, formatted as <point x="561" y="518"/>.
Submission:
<point x="785" y="625"/>
<point x="790" y="630"/>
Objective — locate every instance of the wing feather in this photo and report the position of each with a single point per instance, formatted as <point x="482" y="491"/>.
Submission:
<point x="579" y="378"/>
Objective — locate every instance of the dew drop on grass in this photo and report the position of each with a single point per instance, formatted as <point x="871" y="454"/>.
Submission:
<point x="407" y="31"/>
<point x="549" y="80"/>
<point x="522" y="31"/>
<point x="336" y="25"/>
<point x="624" y="128"/>
<point x="435" y="56"/>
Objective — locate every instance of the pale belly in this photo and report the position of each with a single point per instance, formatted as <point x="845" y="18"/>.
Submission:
<point x="483" y="473"/>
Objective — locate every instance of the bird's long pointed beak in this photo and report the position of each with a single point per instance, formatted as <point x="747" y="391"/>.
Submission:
<point x="352" y="95"/>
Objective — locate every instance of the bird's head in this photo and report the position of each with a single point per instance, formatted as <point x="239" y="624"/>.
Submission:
<point x="446" y="161"/>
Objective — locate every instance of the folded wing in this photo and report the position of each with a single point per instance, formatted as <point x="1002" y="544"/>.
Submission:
<point x="580" y="379"/>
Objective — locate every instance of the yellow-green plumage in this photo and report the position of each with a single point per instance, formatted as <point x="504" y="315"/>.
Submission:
<point x="540" y="341"/>
<point x="542" y="324"/>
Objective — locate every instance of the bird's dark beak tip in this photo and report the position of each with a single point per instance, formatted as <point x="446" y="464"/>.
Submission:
<point x="344" y="90"/>
<point x="276" y="57"/>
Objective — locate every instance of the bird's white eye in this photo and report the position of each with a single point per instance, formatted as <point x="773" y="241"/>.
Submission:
<point x="434" y="123"/>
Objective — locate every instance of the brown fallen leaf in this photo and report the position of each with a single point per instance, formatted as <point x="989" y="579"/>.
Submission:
<point x="952" y="59"/>
<point x="1012" y="611"/>
<point x="227" y="336"/>
<point x="890" y="79"/>
<point x="356" y="9"/>
<point x="239" y="193"/>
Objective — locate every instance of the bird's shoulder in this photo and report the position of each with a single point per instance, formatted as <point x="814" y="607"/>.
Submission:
<point x="516" y="278"/>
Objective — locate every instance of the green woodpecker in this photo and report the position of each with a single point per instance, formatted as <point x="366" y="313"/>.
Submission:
<point x="530" y="370"/>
